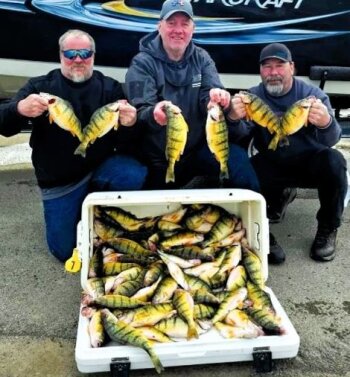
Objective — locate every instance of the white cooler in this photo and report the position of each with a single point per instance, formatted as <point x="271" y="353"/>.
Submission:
<point x="210" y="347"/>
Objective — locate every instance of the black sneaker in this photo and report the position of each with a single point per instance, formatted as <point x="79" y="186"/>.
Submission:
<point x="277" y="255"/>
<point x="276" y="212"/>
<point x="323" y="247"/>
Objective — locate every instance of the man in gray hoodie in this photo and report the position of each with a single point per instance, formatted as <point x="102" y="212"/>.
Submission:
<point x="170" y="67"/>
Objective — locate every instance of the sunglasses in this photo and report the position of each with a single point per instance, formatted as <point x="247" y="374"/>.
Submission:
<point x="82" y="53"/>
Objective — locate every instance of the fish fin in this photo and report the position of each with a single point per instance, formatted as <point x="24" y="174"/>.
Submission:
<point x="284" y="142"/>
<point x="81" y="150"/>
<point x="156" y="361"/>
<point x="224" y="174"/>
<point x="274" y="142"/>
<point x="170" y="175"/>
<point x="192" y="332"/>
<point x="50" y="118"/>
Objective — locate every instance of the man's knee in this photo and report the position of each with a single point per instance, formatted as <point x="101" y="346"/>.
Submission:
<point x="333" y="164"/>
<point x="119" y="173"/>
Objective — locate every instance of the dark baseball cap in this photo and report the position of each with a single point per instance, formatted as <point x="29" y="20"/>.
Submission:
<point x="173" y="6"/>
<point x="277" y="51"/>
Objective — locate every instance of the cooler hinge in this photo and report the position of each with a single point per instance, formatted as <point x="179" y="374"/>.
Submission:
<point x="262" y="359"/>
<point x="120" y="367"/>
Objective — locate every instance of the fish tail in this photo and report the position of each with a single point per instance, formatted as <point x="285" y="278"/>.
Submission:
<point x="224" y="172"/>
<point x="274" y="142"/>
<point x="170" y="175"/>
<point x="192" y="331"/>
<point x="284" y="141"/>
<point x="155" y="360"/>
<point x="81" y="150"/>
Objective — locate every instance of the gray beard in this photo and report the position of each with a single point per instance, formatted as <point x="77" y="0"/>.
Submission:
<point x="78" y="78"/>
<point x="275" y="90"/>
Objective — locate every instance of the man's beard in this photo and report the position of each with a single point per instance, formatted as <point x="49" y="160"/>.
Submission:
<point x="276" y="89"/>
<point x="80" y="76"/>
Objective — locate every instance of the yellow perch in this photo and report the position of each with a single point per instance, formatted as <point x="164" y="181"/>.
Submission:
<point x="120" y="331"/>
<point x="96" y="331"/>
<point x="61" y="112"/>
<point x="259" y="112"/>
<point x="184" y="305"/>
<point x="102" y="121"/>
<point x="217" y="138"/>
<point x="292" y="121"/>
<point x="176" y="138"/>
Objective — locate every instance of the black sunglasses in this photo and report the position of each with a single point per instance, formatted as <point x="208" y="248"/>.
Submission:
<point x="82" y="53"/>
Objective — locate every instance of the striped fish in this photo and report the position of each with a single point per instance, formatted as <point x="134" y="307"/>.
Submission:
<point x="184" y="305"/>
<point x="120" y="331"/>
<point x="176" y="138"/>
<point x="253" y="266"/>
<point x="292" y="121"/>
<point x="217" y="138"/>
<point x="259" y="112"/>
<point x="61" y="112"/>
<point x="102" y="121"/>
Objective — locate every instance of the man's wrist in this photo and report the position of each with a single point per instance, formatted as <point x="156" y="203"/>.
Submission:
<point x="327" y="125"/>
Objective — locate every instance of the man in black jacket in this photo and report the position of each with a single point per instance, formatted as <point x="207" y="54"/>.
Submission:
<point x="307" y="161"/>
<point x="66" y="178"/>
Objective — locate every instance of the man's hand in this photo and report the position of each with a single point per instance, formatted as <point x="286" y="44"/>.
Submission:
<point x="32" y="106"/>
<point x="219" y="96"/>
<point x="159" y="113"/>
<point x="237" y="109"/>
<point x="319" y="115"/>
<point x="127" y="114"/>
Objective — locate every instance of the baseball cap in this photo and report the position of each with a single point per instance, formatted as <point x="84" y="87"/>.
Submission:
<point x="277" y="51"/>
<point x="172" y="6"/>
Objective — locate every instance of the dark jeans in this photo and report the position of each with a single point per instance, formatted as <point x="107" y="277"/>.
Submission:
<point x="62" y="214"/>
<point x="203" y="163"/>
<point x="324" y="170"/>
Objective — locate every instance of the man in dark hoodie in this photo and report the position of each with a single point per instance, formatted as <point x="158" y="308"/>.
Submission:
<point x="170" y="67"/>
<point x="308" y="161"/>
<point x="64" y="177"/>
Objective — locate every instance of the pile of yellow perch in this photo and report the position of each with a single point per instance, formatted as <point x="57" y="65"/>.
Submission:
<point x="174" y="277"/>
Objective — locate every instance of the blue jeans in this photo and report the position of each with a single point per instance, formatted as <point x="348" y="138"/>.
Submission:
<point x="241" y="172"/>
<point x="324" y="169"/>
<point x="62" y="214"/>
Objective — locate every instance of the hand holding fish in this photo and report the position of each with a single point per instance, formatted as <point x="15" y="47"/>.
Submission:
<point x="319" y="115"/>
<point x="127" y="114"/>
<point x="219" y="96"/>
<point x="32" y="106"/>
<point x="159" y="113"/>
<point x="238" y="108"/>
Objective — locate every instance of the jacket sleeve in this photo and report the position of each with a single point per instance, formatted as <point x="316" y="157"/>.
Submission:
<point x="141" y="90"/>
<point x="330" y="135"/>
<point x="11" y="122"/>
